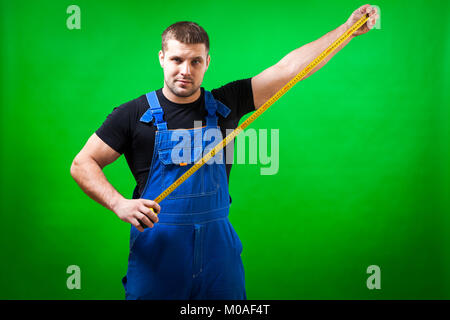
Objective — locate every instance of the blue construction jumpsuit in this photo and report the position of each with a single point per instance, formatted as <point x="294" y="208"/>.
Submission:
<point x="193" y="251"/>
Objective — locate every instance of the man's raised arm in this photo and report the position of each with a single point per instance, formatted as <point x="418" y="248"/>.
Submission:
<point x="271" y="80"/>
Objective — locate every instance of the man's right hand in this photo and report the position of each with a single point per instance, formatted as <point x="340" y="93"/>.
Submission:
<point x="135" y="210"/>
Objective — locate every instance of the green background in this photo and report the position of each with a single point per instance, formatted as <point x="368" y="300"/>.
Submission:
<point x="364" y="145"/>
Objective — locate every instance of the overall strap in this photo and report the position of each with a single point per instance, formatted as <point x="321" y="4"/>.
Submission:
<point x="214" y="106"/>
<point x="154" y="112"/>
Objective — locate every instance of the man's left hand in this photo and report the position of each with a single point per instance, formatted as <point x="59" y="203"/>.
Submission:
<point x="358" y="13"/>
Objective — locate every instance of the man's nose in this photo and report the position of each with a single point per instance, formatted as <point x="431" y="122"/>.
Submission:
<point x="185" y="69"/>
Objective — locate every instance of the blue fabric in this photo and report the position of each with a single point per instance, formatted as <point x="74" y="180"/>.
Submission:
<point x="193" y="252"/>
<point x="155" y="110"/>
<point x="147" y="116"/>
<point x="222" y="109"/>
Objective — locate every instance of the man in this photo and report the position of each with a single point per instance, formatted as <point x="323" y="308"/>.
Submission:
<point x="189" y="250"/>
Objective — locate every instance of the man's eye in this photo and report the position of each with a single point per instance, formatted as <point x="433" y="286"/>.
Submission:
<point x="196" y="61"/>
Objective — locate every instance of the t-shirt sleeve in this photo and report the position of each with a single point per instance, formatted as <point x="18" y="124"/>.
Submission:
<point x="116" y="129"/>
<point x="238" y="96"/>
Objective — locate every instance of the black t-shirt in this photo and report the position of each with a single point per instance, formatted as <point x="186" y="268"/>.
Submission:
<point x="125" y="133"/>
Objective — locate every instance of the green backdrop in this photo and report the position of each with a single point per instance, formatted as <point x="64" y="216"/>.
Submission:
<point x="364" y="145"/>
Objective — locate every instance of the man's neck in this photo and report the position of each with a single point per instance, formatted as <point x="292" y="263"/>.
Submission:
<point x="176" y="99"/>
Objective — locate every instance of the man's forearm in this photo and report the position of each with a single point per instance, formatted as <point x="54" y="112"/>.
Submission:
<point x="89" y="176"/>
<point x="298" y="59"/>
<point x="268" y="82"/>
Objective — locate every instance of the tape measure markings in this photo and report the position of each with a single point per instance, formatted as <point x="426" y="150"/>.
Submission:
<point x="262" y="109"/>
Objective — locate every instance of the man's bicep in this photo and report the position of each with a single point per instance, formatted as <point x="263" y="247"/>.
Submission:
<point x="267" y="83"/>
<point x="97" y="150"/>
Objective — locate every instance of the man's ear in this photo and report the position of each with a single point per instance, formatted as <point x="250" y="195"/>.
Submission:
<point x="161" y="58"/>
<point x="208" y="60"/>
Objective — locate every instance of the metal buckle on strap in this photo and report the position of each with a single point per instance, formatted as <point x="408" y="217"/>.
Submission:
<point x="156" y="110"/>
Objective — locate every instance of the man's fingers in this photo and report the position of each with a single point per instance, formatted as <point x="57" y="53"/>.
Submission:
<point x="358" y="13"/>
<point x="149" y="213"/>
<point x="145" y="220"/>
<point x="372" y="21"/>
<point x="152" y="204"/>
<point x="136" y="223"/>
<point x="364" y="9"/>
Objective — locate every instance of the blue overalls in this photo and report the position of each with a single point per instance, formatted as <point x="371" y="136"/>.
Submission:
<point x="193" y="251"/>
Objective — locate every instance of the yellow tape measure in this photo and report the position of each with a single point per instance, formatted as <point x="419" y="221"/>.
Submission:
<point x="263" y="108"/>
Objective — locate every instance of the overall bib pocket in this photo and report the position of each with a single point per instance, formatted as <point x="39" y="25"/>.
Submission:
<point x="174" y="165"/>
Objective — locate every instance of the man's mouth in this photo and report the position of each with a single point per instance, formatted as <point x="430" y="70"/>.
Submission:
<point x="183" y="81"/>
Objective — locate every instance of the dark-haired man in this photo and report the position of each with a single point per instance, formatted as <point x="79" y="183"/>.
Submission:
<point x="190" y="250"/>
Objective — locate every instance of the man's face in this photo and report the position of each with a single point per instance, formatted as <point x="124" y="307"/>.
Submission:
<point x="184" y="67"/>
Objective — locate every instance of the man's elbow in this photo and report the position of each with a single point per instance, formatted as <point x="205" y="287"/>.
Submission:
<point x="74" y="168"/>
<point x="78" y="165"/>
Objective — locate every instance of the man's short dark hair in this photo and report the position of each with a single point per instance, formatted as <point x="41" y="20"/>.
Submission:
<point x="186" y="32"/>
